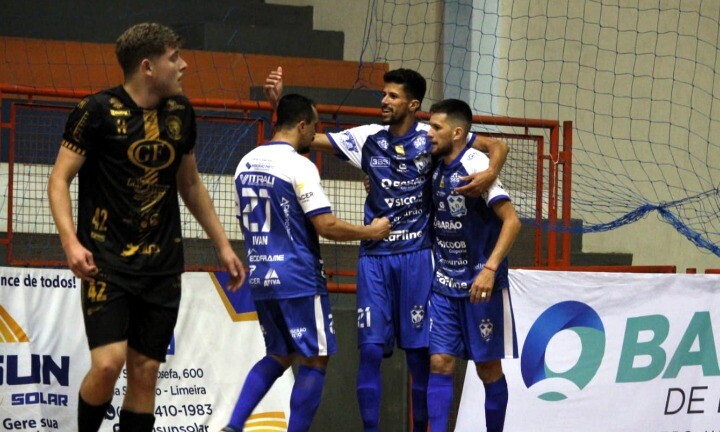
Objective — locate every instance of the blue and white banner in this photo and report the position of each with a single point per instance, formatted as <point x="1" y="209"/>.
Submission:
<point x="609" y="352"/>
<point x="44" y="356"/>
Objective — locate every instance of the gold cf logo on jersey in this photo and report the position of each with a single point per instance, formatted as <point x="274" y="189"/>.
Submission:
<point x="152" y="155"/>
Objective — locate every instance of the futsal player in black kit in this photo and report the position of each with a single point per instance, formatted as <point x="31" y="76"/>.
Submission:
<point x="132" y="148"/>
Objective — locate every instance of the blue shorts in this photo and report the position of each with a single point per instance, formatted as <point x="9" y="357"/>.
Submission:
<point x="392" y="295"/>
<point x="301" y="326"/>
<point x="474" y="331"/>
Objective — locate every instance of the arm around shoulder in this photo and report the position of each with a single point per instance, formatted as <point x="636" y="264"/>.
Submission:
<point x="322" y="143"/>
<point x="480" y="182"/>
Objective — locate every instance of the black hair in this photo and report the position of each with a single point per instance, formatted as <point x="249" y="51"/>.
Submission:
<point x="455" y="109"/>
<point x="292" y="109"/>
<point x="413" y="83"/>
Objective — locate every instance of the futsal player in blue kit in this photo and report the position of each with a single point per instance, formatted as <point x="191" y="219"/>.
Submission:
<point x="282" y="208"/>
<point x="470" y="311"/>
<point x="394" y="274"/>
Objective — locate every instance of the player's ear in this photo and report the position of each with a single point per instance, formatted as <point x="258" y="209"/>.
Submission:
<point x="414" y="105"/>
<point x="146" y="67"/>
<point x="458" y="132"/>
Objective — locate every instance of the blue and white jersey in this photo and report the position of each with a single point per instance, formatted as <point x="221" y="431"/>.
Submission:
<point x="278" y="191"/>
<point x="466" y="228"/>
<point x="399" y="170"/>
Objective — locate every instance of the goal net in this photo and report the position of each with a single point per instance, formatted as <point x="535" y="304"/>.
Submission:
<point x="638" y="79"/>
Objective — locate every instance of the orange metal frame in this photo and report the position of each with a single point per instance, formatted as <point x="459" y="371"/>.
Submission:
<point x="559" y="157"/>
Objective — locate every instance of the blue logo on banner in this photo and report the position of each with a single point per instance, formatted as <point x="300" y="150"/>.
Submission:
<point x="570" y="315"/>
<point x="171" y="347"/>
<point x="240" y="301"/>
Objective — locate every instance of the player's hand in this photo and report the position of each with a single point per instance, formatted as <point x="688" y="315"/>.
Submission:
<point x="366" y="184"/>
<point x="274" y="87"/>
<point x="380" y="228"/>
<point x="482" y="286"/>
<point x="234" y="267"/>
<point x="81" y="262"/>
<point x="478" y="183"/>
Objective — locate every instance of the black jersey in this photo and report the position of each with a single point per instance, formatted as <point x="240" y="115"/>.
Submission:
<point x="128" y="210"/>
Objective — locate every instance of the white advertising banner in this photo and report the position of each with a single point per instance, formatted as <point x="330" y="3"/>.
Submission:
<point x="44" y="356"/>
<point x="609" y="352"/>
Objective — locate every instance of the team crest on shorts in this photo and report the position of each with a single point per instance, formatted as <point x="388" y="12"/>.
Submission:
<point x="417" y="315"/>
<point x="486" y="329"/>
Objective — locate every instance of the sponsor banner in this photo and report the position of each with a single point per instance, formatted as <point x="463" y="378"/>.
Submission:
<point x="609" y="352"/>
<point x="43" y="349"/>
<point x="44" y="356"/>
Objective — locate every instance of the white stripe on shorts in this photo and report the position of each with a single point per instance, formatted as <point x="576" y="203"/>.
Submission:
<point x="320" y="327"/>
<point x="507" y="325"/>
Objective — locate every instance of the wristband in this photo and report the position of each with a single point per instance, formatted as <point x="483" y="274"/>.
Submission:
<point x="490" y="268"/>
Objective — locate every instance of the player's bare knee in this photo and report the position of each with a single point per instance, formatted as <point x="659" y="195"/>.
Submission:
<point x="442" y="364"/>
<point x="319" y="362"/>
<point x="490" y="371"/>
<point x="142" y="371"/>
<point x="285" y="361"/>
<point x="107" y="369"/>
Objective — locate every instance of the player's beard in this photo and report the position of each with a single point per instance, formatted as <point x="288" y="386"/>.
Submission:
<point x="393" y="119"/>
<point x="439" y="151"/>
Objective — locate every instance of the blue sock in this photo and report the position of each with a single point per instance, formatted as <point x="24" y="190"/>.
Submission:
<point x="369" y="385"/>
<point x="418" y="361"/>
<point x="305" y="397"/>
<point x="496" y="401"/>
<point x="440" y="392"/>
<point x="259" y="380"/>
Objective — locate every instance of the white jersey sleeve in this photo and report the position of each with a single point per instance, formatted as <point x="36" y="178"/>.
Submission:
<point x="308" y="189"/>
<point x="349" y="143"/>
<point x="475" y="161"/>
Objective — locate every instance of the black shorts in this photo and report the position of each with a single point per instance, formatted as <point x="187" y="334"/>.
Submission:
<point x="140" y="309"/>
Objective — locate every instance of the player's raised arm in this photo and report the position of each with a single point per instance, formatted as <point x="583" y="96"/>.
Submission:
<point x="480" y="182"/>
<point x="274" y="87"/>
<point x="273" y="90"/>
